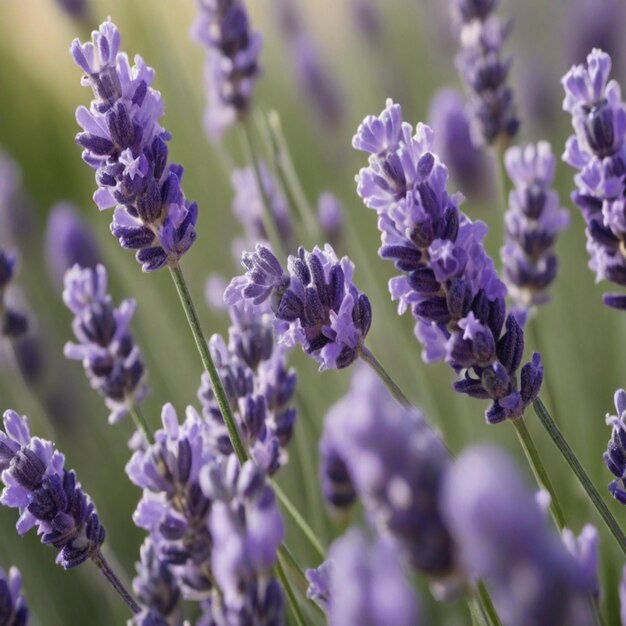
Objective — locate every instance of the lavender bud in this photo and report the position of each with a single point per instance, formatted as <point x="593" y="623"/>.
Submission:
<point x="13" y="609"/>
<point x="615" y="456"/>
<point x="13" y="323"/>
<point x="584" y="549"/>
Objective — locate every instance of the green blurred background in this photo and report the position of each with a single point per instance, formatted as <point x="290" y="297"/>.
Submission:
<point x="39" y="92"/>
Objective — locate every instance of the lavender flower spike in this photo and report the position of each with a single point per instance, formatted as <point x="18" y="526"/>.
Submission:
<point x="533" y="222"/>
<point x="231" y="66"/>
<point x="615" y="456"/>
<point x="13" y="609"/>
<point x="395" y="465"/>
<point x="367" y="584"/>
<point x="125" y="144"/>
<point x="447" y="280"/>
<point x="105" y="346"/>
<point x="46" y="494"/>
<point x="491" y="107"/>
<point x="315" y="304"/>
<point x="505" y="538"/>
<point x="597" y="150"/>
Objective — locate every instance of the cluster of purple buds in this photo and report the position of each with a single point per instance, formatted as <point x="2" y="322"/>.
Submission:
<point x="505" y="538"/>
<point x="533" y="221"/>
<point x="363" y="583"/>
<point x="127" y="147"/>
<point x="13" y="323"/>
<point x="258" y="384"/>
<point x="231" y="66"/>
<point x="156" y="590"/>
<point x="210" y="520"/>
<point x="491" y="107"/>
<point x="248" y="205"/>
<point x="46" y="494"/>
<point x="448" y="281"/>
<point x="13" y="609"/>
<point x="315" y="304"/>
<point x="395" y="465"/>
<point x="105" y="346"/>
<point x="597" y="150"/>
<point x="615" y="456"/>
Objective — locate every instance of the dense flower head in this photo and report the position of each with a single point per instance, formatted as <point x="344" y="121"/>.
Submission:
<point x="232" y="61"/>
<point x="533" y="221"/>
<point x="125" y="144"/>
<point x="396" y="466"/>
<point x="105" y="347"/>
<point x="615" y="456"/>
<point x="367" y="585"/>
<point x="505" y="538"/>
<point x="447" y="279"/>
<point x="13" y="609"/>
<point x="315" y="303"/>
<point x="468" y="164"/>
<point x="68" y="242"/>
<point x="13" y="323"/>
<point x="258" y="384"/>
<point x="46" y="494"/>
<point x="598" y="151"/>
<point x="484" y="71"/>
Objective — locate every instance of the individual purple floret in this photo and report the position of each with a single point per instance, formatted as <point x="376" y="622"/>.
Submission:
<point x="584" y="549"/>
<point x="597" y="150"/>
<point x="491" y="109"/>
<point x="396" y="465"/>
<point x="615" y="456"/>
<point x="319" y="584"/>
<point x="156" y="589"/>
<point x="330" y="217"/>
<point x="231" y="66"/>
<point x="111" y="359"/>
<point x="13" y="609"/>
<point x="315" y="304"/>
<point x="258" y="384"/>
<point x="368" y="586"/>
<point x="505" y="538"/>
<point x="447" y="280"/>
<point x="68" y="242"/>
<point x="127" y="147"/>
<point x="13" y="323"/>
<point x="248" y="205"/>
<point x="533" y="221"/>
<point x="46" y="494"/>
<point x="468" y="165"/>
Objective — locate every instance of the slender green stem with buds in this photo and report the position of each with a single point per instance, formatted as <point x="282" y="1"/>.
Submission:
<point x="102" y="564"/>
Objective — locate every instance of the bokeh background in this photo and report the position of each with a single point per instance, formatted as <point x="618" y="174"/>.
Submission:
<point x="407" y="55"/>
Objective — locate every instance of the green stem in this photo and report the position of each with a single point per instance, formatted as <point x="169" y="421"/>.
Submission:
<point x="476" y="611"/>
<point x="537" y="338"/>
<point x="141" y="423"/>
<point x="295" y="515"/>
<point x="302" y="582"/>
<point x="114" y="581"/>
<point x="539" y="470"/>
<point x="582" y="476"/>
<point x="368" y="356"/>
<point x="291" y="598"/>
<point x="487" y="605"/>
<point x="203" y="348"/>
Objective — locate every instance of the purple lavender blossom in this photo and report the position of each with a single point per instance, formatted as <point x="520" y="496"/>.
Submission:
<point x="468" y="165"/>
<point x="13" y="323"/>
<point x="319" y="584"/>
<point x="505" y="538"/>
<point x="447" y="281"/>
<point x="584" y="549"/>
<point x="315" y="304"/>
<point x="231" y="66"/>
<point x="330" y="217"/>
<point x="248" y="205"/>
<point x="46" y="494"/>
<point x="156" y="589"/>
<point x="125" y="144"/>
<point x="68" y="241"/>
<point x="367" y="584"/>
<point x="615" y="456"/>
<point x="396" y="465"/>
<point x="13" y="609"/>
<point x="105" y="346"/>
<point x="597" y="150"/>
<point x="490" y="107"/>
<point x="533" y="222"/>
<point x="258" y="384"/>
